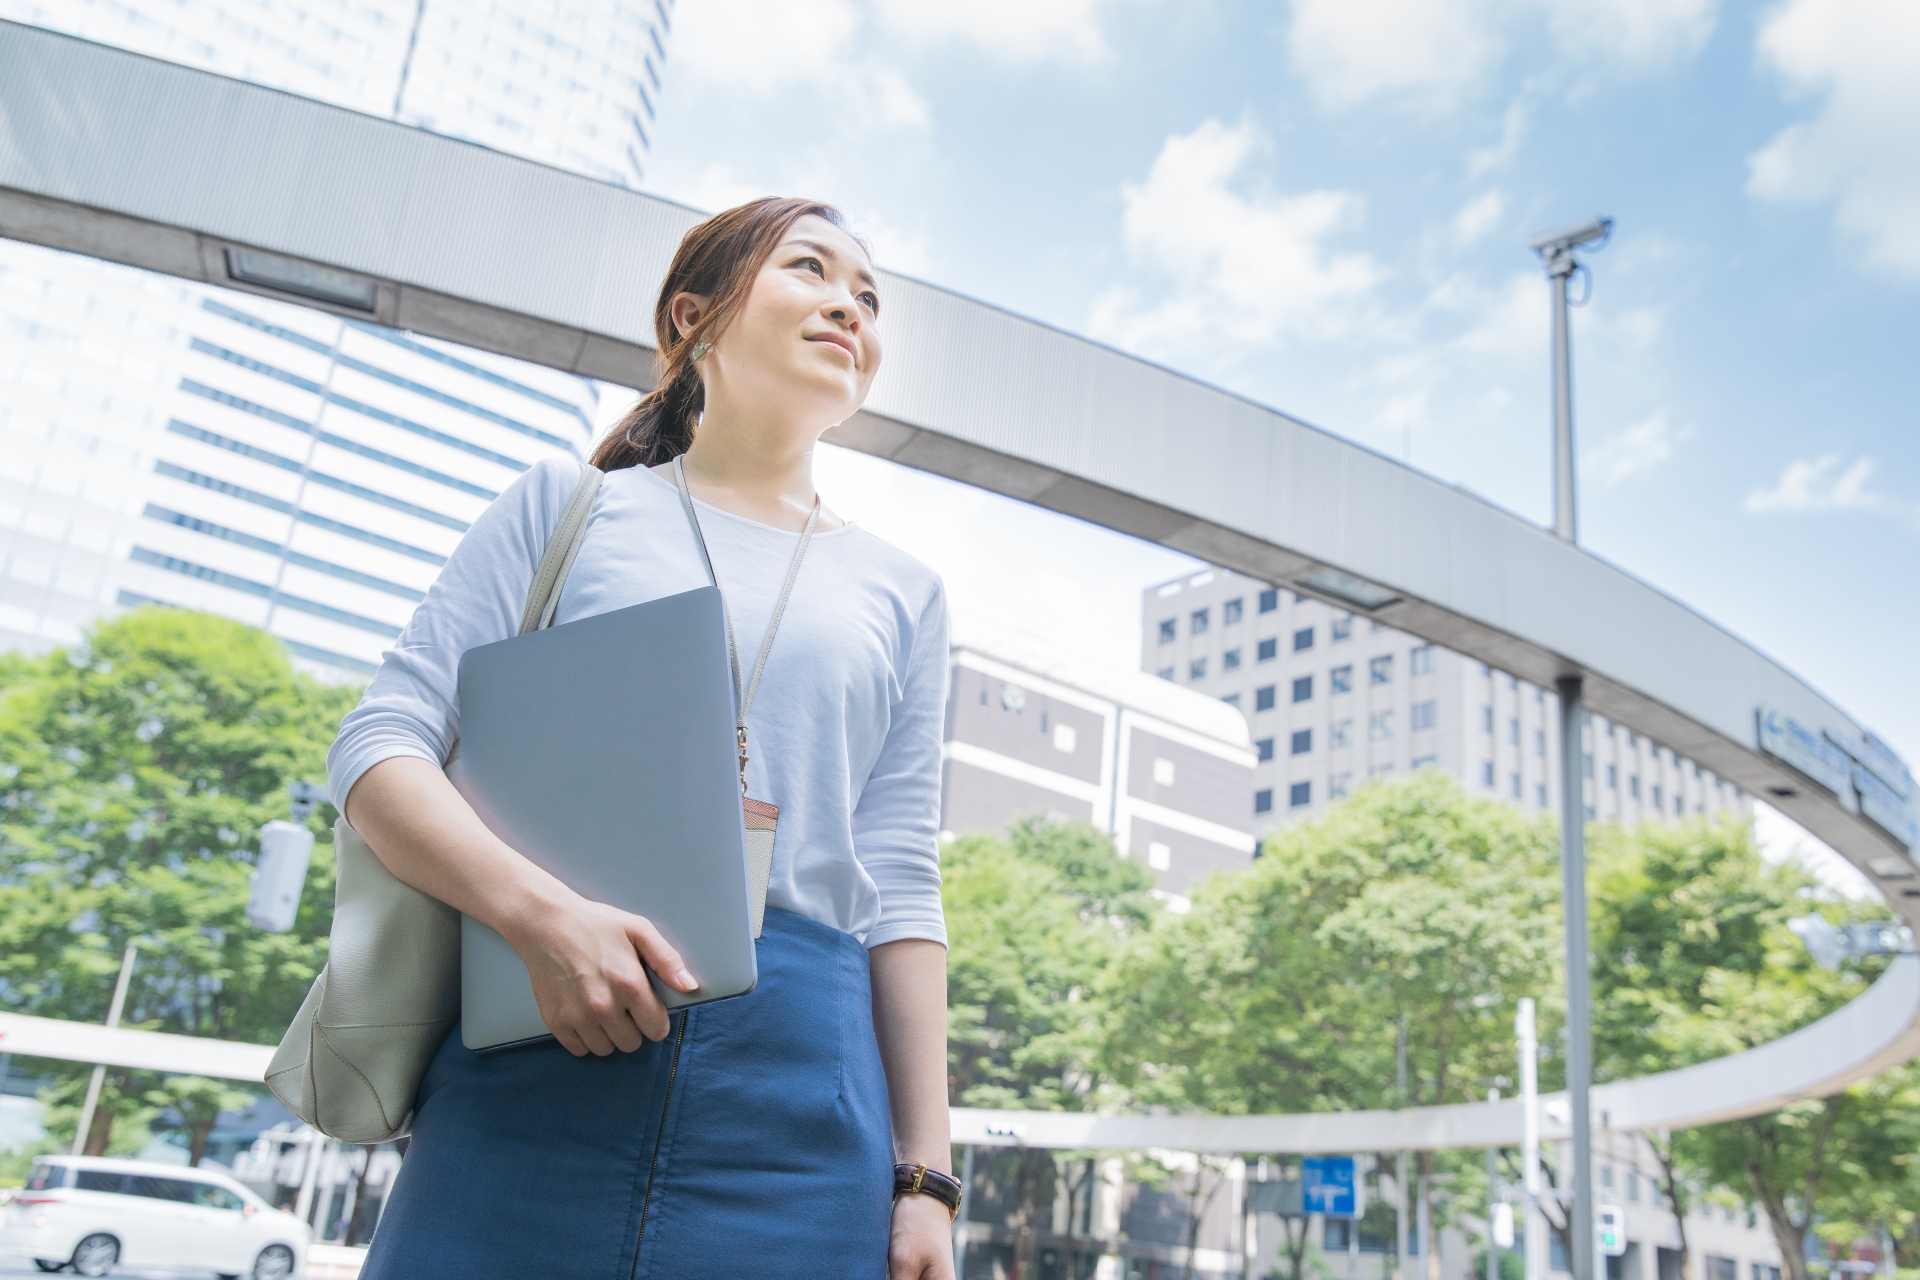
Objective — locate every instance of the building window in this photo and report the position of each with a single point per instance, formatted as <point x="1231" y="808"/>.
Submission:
<point x="1633" y="739"/>
<point x="1197" y="624"/>
<point x="1340" y="733"/>
<point x="1269" y="600"/>
<point x="1425" y="762"/>
<point x="1633" y="1192"/>
<point x="1300" y="794"/>
<point x="1380" y="726"/>
<point x="1263" y="800"/>
<point x="1486" y="773"/>
<point x="1230" y="660"/>
<point x="1303" y="689"/>
<point x="1197" y="669"/>
<point x="1679" y="806"/>
<point x="1656" y="797"/>
<point x="1765" y="1271"/>
<point x="1268" y="650"/>
<point x="1380" y="670"/>
<point x="1159" y="856"/>
<point x="1486" y="719"/>
<point x="1721" y="1268"/>
<point x="1303" y="639"/>
<point x="1425" y="715"/>
<point x="1263" y="698"/>
<point x="1302" y="741"/>
<point x="1339" y="785"/>
<point x="1230" y="611"/>
<point x="1231" y="699"/>
<point x="1540" y="794"/>
<point x="1340" y="680"/>
<point x="1169" y="630"/>
<point x="1539" y="695"/>
<point x="1513" y="784"/>
<point x="1586" y="766"/>
<point x="1341" y="628"/>
<point x="1633" y="786"/>
<point x="1265" y="747"/>
<point x="1540" y="742"/>
<point x="1420" y="661"/>
<point x="1334" y="1236"/>
<point x="1163" y="772"/>
<point x="1165" y="673"/>
<point x="1613" y="777"/>
<point x="1513" y="730"/>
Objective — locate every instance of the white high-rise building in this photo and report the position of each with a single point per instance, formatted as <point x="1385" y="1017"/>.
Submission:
<point x="300" y="469"/>
<point x="1333" y="698"/>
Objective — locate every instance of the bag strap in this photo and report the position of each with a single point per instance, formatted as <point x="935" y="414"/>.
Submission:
<point x="543" y="596"/>
<point x="743" y="698"/>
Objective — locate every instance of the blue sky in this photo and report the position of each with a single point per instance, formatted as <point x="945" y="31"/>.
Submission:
<point x="1324" y="205"/>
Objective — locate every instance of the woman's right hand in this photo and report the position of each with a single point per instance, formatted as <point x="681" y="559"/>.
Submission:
<point x="585" y="959"/>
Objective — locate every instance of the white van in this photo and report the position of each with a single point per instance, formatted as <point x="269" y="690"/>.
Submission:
<point x="91" y="1214"/>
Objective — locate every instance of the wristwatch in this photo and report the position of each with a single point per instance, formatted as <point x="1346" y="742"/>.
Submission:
<point x="917" y="1179"/>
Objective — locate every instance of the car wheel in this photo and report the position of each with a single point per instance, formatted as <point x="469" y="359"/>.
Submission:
<point x="49" y="1264"/>
<point x="274" y="1263"/>
<point x="95" y="1255"/>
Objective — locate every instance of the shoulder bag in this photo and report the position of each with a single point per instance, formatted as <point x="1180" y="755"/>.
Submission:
<point x="352" y="1062"/>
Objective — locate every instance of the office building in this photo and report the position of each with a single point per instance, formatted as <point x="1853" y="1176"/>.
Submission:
<point x="1333" y="698"/>
<point x="1031" y="731"/>
<point x="294" y="466"/>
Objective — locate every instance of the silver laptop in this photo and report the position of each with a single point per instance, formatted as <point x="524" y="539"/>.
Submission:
<point x="604" y="751"/>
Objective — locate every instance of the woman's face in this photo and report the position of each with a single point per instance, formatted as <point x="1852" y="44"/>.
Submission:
<point x="807" y="342"/>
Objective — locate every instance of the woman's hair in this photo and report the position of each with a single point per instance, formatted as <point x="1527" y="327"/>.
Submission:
<point x="717" y="260"/>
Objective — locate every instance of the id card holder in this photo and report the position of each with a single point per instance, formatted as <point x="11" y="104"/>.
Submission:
<point x="761" y="820"/>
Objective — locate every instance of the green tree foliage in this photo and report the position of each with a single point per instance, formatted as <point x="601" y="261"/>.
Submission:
<point x="135" y="773"/>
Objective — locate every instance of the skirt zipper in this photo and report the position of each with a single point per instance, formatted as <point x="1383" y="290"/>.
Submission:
<point x="646" y="1199"/>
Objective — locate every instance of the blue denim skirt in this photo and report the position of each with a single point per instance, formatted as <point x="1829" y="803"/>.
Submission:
<point x="754" y="1140"/>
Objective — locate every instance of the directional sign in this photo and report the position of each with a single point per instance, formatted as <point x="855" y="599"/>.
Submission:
<point x="1328" y="1185"/>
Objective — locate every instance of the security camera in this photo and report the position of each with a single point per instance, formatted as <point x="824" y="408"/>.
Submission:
<point x="1572" y="237"/>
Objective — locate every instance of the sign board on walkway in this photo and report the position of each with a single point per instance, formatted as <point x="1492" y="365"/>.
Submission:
<point x="1329" y="1185"/>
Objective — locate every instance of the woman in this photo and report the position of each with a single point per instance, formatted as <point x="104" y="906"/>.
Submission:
<point x="753" y="1136"/>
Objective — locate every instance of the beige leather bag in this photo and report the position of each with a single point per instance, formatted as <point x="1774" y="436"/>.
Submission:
<point x="352" y="1062"/>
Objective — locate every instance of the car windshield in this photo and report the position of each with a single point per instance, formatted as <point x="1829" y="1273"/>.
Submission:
<point x="45" y="1176"/>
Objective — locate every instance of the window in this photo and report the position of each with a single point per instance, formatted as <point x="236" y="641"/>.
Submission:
<point x="1486" y="773"/>
<point x="1540" y="794"/>
<point x="1300" y="794"/>
<point x="1513" y="784"/>
<point x="1339" y="785"/>
<point x="1303" y="689"/>
<point x="1341" y="628"/>
<point x="1303" y="639"/>
<point x="1380" y="670"/>
<point x="1263" y="698"/>
<point x="1197" y="624"/>
<point x="1340" y="733"/>
<point x="1231" y="611"/>
<point x="1425" y="762"/>
<point x="1613" y="777"/>
<point x="177" y="1190"/>
<point x="1263" y="800"/>
<point x="1540" y="742"/>
<point x="1231" y="699"/>
<point x="1539" y="695"/>
<point x="1765" y="1271"/>
<point x="1606" y="1177"/>
<point x="1159" y="856"/>
<point x="1589" y="809"/>
<point x="1380" y="726"/>
<point x="1420" y="661"/>
<point x="1425" y="715"/>
<point x="1513" y="730"/>
<point x="1633" y="739"/>
<point x="1633" y="1191"/>
<point x="1197" y="669"/>
<point x="1230" y="660"/>
<point x="1586" y="766"/>
<point x="1265" y="747"/>
<point x="1302" y="741"/>
<point x="1340" y="680"/>
<point x="1163" y="772"/>
<point x="1169" y="630"/>
<point x="209" y="1196"/>
<point x="1633" y="786"/>
<point x="1679" y="806"/>
<point x="99" y="1180"/>
<point x="1165" y="673"/>
<point x="1656" y="797"/>
<point x="1268" y="650"/>
<point x="1721" y="1268"/>
<point x="1334" y="1237"/>
<point x="1486" y="719"/>
<point x="1269" y="600"/>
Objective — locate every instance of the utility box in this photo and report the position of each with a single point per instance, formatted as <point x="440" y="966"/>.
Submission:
<point x="278" y="875"/>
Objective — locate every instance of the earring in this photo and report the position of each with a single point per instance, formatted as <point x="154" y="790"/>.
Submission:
<point x="701" y="348"/>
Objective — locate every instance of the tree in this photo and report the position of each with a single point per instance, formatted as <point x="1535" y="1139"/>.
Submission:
<point x="192" y="1104"/>
<point x="135" y="773"/>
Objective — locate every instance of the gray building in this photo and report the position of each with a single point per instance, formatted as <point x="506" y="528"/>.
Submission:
<point x="1033" y="731"/>
<point x="1332" y="698"/>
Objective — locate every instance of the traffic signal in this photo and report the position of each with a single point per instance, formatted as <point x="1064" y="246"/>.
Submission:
<point x="1610" y="1225"/>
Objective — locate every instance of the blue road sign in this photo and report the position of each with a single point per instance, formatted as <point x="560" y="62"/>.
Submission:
<point x="1328" y="1185"/>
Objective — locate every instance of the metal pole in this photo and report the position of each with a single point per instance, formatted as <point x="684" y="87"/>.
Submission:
<point x="308" y="1175"/>
<point x="100" y="1072"/>
<point x="1566" y="521"/>
<point x="966" y="1200"/>
<point x="1493" y="1250"/>
<point x="1400" y="1166"/>
<point x="1524" y="1031"/>
<point x="1573" y="907"/>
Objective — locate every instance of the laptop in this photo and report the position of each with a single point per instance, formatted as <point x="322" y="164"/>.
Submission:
<point x="603" y="750"/>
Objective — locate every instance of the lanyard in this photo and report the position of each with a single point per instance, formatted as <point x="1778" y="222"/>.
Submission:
<point x="743" y="699"/>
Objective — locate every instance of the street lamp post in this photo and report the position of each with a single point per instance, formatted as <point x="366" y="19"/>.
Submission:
<point x="1556" y="256"/>
<point x="99" y="1078"/>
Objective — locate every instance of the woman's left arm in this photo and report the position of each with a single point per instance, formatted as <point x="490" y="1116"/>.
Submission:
<point x="910" y="1022"/>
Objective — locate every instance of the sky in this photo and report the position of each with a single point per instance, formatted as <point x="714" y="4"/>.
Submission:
<point x="1324" y="205"/>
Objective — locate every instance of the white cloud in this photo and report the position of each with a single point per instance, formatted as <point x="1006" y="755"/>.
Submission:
<point x="1478" y="216"/>
<point x="1642" y="446"/>
<point x="1012" y="29"/>
<point x="759" y="47"/>
<point x="1513" y="129"/>
<point x="1443" y="52"/>
<point x="1240" y="265"/>
<point x="1822" y="484"/>
<point x="1860" y="149"/>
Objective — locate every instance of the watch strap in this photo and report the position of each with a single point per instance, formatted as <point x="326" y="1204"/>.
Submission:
<point x="918" y="1179"/>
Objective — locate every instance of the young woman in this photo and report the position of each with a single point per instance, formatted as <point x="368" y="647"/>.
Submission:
<point x="753" y="1136"/>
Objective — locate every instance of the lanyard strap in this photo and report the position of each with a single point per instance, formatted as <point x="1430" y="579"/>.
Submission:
<point x="743" y="699"/>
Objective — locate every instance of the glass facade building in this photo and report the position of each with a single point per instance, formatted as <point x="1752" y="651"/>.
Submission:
<point x="308" y="473"/>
